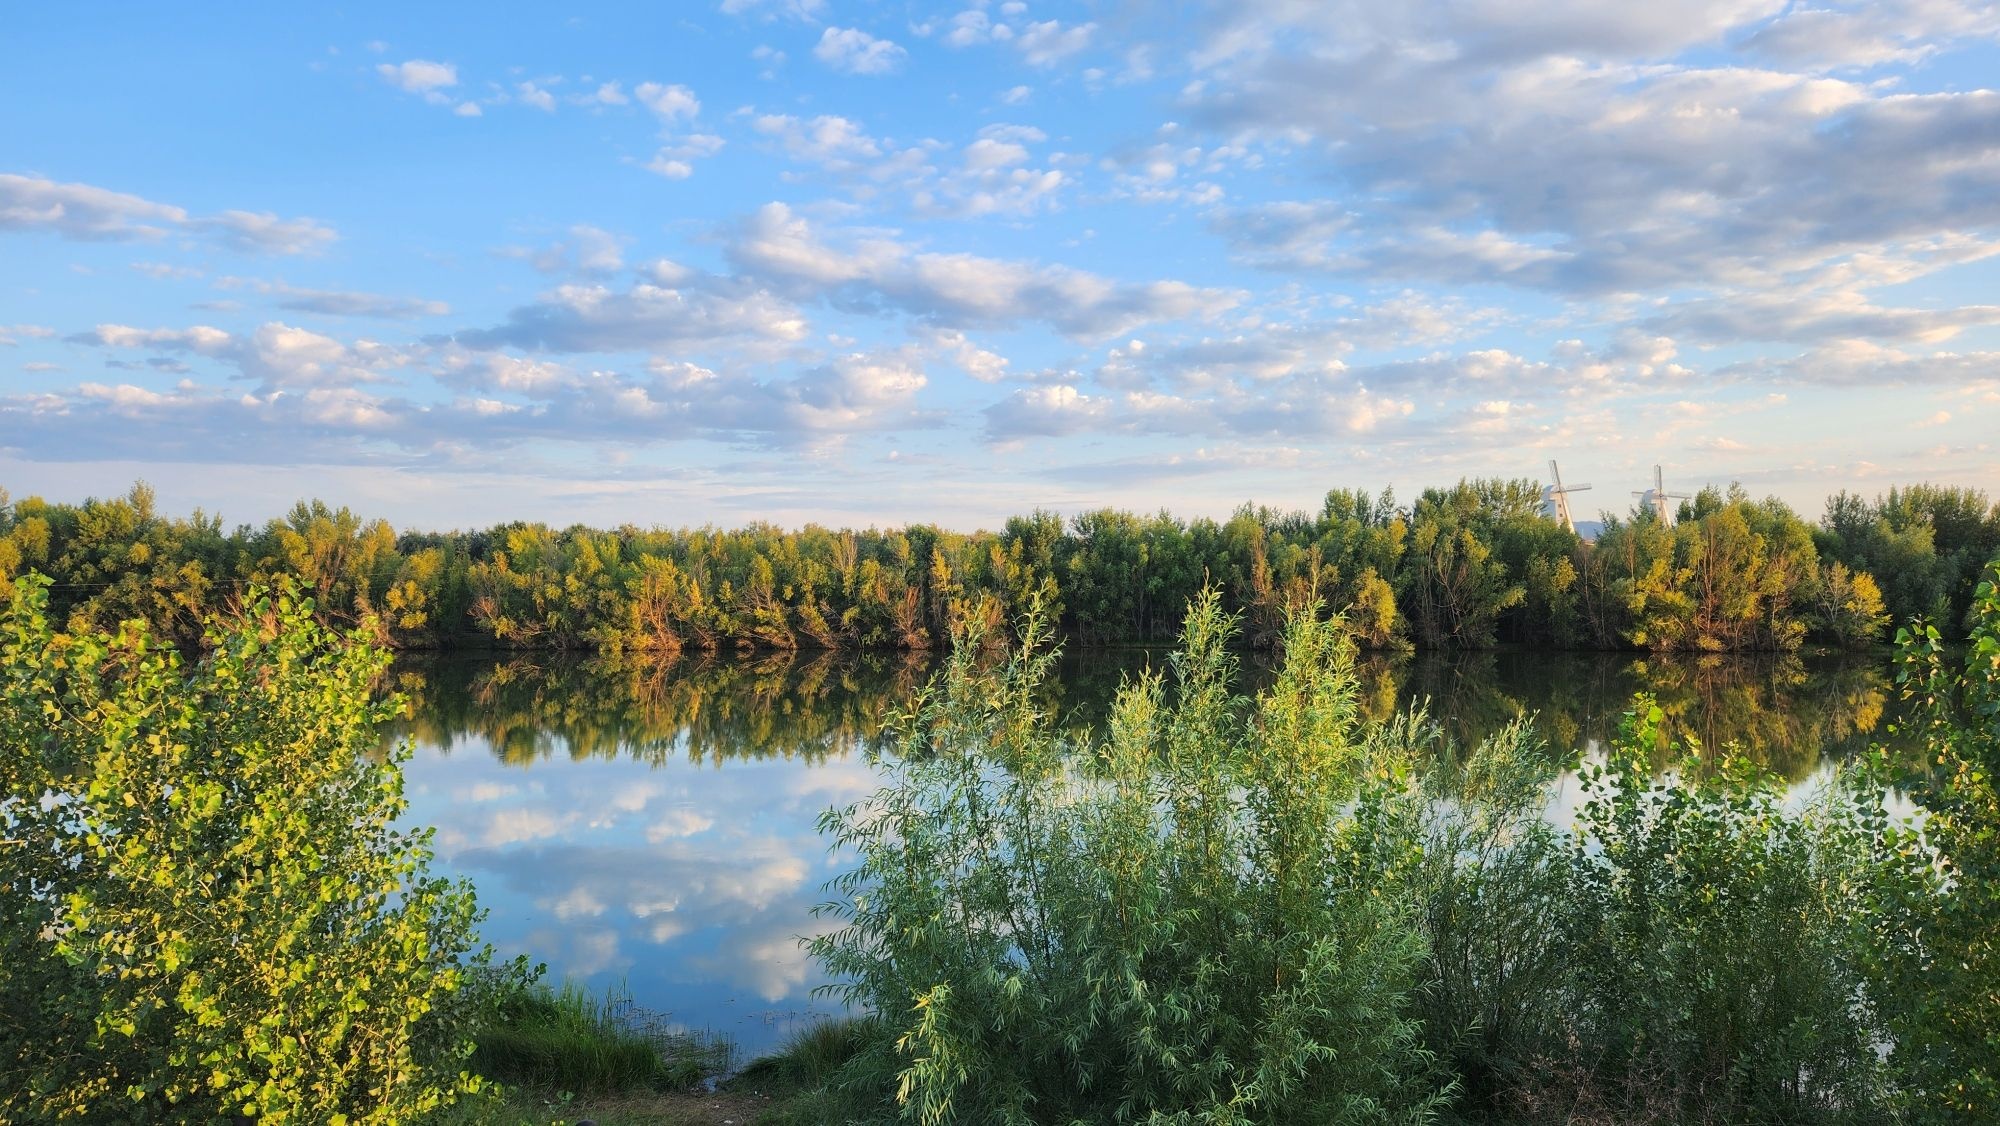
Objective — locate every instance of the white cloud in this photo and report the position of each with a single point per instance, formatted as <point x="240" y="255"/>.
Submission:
<point x="959" y="290"/>
<point x="1044" y="412"/>
<point x="1865" y="363"/>
<point x="81" y="211"/>
<point x="418" y="76"/>
<point x="985" y="154"/>
<point x="850" y="50"/>
<point x="595" y="318"/>
<point x="529" y="94"/>
<point x="676" y="161"/>
<point x="836" y="143"/>
<point x="12" y="334"/>
<point x="1049" y="42"/>
<point x="277" y="356"/>
<point x="1597" y="167"/>
<point x="164" y="271"/>
<point x="261" y="232"/>
<point x="991" y="176"/>
<point x="93" y="214"/>
<point x="982" y="364"/>
<point x="668" y="103"/>
<point x="1871" y="33"/>
<point x="590" y="251"/>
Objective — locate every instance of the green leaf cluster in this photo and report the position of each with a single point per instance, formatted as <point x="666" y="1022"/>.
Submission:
<point x="1183" y="921"/>
<point x="1945" y="958"/>
<point x="206" y="905"/>
<point x="1273" y="909"/>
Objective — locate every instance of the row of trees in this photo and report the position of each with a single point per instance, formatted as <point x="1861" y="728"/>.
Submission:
<point x="1462" y="567"/>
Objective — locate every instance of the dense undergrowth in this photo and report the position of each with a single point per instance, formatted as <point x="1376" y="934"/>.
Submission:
<point x="1230" y="910"/>
<point x="1216" y="908"/>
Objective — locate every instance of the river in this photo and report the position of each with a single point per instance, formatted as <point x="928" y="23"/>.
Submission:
<point x="650" y="825"/>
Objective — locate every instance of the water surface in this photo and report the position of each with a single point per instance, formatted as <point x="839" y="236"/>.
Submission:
<point x="651" y="824"/>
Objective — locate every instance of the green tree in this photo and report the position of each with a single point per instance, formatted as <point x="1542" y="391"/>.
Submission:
<point x="206" y="907"/>
<point x="1456" y="589"/>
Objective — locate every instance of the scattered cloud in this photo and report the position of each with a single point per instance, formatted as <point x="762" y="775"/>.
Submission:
<point x="93" y="214"/>
<point x="668" y="103"/>
<point x="1048" y="42"/>
<point x="339" y="303"/>
<point x="644" y="317"/>
<point x="276" y="356"/>
<point x="850" y="50"/>
<point x="782" y="248"/>
<point x="418" y="76"/>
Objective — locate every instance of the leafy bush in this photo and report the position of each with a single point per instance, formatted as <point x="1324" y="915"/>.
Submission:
<point x="1489" y="890"/>
<point x="205" y="906"/>
<point x="1946" y="979"/>
<point x="1230" y="910"/>
<point x="1181" y="922"/>
<point x="1719" y="962"/>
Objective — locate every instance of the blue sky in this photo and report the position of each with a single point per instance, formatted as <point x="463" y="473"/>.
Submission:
<point x="876" y="262"/>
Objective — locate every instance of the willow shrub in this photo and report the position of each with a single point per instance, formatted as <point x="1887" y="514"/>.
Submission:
<point x="1720" y="943"/>
<point x="205" y="906"/>
<point x="1491" y="888"/>
<point x="1185" y="920"/>
<point x="1942" y="945"/>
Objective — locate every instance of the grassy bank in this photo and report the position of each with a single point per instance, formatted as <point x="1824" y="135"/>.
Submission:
<point x="564" y="1055"/>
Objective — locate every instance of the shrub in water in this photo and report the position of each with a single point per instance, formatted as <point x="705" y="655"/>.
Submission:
<point x="1942" y="950"/>
<point x="1717" y="945"/>
<point x="1183" y="921"/>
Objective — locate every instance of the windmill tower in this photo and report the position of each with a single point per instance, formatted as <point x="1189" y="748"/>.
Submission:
<point x="1555" y="499"/>
<point x="1656" y="498"/>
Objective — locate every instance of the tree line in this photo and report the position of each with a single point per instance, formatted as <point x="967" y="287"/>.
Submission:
<point x="1469" y="566"/>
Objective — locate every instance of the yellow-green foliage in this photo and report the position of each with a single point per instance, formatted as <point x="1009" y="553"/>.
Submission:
<point x="205" y="906"/>
<point x="1464" y="567"/>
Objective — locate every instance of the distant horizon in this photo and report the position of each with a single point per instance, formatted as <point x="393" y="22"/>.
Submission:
<point x="813" y="260"/>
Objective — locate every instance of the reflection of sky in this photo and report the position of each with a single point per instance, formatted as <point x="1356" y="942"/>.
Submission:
<point x="687" y="884"/>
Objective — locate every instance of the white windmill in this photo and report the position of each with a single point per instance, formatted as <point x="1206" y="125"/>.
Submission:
<point x="1656" y="498"/>
<point x="1555" y="499"/>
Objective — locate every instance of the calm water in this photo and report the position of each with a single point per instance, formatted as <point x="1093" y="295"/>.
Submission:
<point x="652" y="824"/>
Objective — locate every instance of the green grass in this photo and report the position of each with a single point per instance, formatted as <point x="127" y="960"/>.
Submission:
<point x="570" y="1039"/>
<point x="802" y="1077"/>
<point x="646" y="1108"/>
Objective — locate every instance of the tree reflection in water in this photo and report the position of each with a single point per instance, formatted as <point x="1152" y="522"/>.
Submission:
<point x="1789" y="712"/>
<point x="652" y="823"/>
